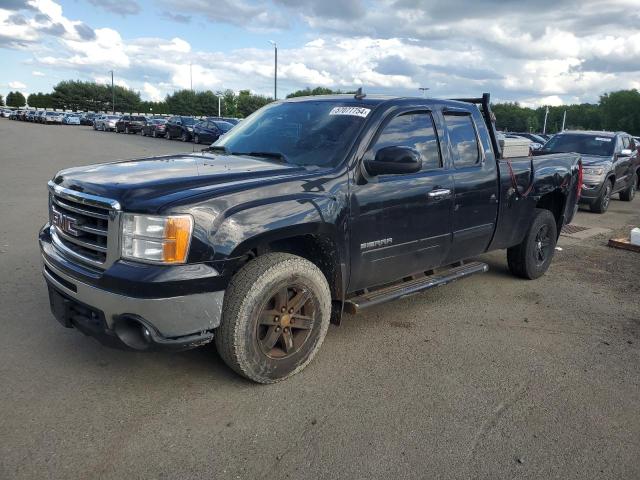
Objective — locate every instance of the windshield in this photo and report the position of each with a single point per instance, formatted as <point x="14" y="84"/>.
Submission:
<point x="159" y="121"/>
<point x="224" y="126"/>
<point x="113" y="117"/>
<point x="303" y="133"/>
<point x="580" y="143"/>
<point x="188" y="120"/>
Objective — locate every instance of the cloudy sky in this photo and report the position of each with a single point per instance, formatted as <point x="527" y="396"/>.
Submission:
<point x="532" y="51"/>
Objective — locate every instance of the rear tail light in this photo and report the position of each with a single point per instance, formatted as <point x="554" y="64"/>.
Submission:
<point x="579" y="183"/>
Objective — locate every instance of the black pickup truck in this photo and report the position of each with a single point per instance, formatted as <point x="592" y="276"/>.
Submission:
<point x="309" y="208"/>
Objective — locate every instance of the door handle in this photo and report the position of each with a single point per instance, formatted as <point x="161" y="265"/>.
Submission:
<point x="439" y="193"/>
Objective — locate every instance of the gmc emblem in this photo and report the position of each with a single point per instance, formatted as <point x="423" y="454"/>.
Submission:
<point x="64" y="223"/>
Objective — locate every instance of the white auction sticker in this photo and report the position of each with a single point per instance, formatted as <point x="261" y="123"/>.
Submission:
<point x="602" y="139"/>
<point x="353" y="111"/>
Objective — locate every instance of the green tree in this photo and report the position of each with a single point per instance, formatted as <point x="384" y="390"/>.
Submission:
<point x="247" y="102"/>
<point x="621" y="111"/>
<point x="1" y="100"/>
<point x="77" y="95"/>
<point x="229" y="104"/>
<point x="305" y="92"/>
<point x="40" y="100"/>
<point x="16" y="99"/>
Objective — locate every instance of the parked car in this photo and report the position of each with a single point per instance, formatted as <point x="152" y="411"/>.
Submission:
<point x="155" y="127"/>
<point x="87" y="118"/>
<point x="105" y="123"/>
<point x="130" y="124"/>
<point x="537" y="141"/>
<point x="40" y="116"/>
<point x="208" y="131"/>
<point x="71" y="119"/>
<point x="610" y="164"/>
<point x="310" y="205"/>
<point x="14" y="115"/>
<point x="53" y="117"/>
<point x="180" y="127"/>
<point x="30" y="116"/>
<point x="5" y="112"/>
<point x="231" y="120"/>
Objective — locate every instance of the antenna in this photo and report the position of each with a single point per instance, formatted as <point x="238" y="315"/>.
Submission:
<point x="359" y="95"/>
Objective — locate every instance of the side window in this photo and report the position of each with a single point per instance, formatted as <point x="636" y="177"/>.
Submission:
<point x="464" y="142"/>
<point x="415" y="130"/>
<point x="625" y="142"/>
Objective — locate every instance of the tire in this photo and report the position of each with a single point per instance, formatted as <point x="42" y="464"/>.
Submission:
<point x="242" y="339"/>
<point x="154" y="134"/>
<point x="126" y="130"/>
<point x="630" y="192"/>
<point x="143" y="133"/>
<point x="167" y="135"/>
<point x="184" y="137"/>
<point x="531" y="258"/>
<point x="196" y="139"/>
<point x="602" y="203"/>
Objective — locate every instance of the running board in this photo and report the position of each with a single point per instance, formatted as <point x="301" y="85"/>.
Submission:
<point x="411" y="286"/>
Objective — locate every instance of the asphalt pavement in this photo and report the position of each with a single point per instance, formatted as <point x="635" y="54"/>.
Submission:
<point x="491" y="377"/>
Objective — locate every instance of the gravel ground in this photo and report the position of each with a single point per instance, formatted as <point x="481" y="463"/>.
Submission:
<point x="491" y="377"/>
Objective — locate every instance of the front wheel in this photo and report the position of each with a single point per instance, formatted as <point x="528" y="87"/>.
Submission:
<point x="602" y="203"/>
<point x="184" y="137"/>
<point x="275" y="317"/>
<point x="196" y="138"/>
<point x="531" y="258"/>
<point x="630" y="192"/>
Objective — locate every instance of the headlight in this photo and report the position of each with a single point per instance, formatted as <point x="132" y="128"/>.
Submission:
<point x="597" y="171"/>
<point x="190" y="129"/>
<point x="157" y="239"/>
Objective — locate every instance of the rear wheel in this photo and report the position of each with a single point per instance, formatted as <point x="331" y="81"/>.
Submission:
<point x="196" y="139"/>
<point x="184" y="137"/>
<point x="531" y="258"/>
<point x="167" y="135"/>
<point x="628" y="194"/>
<point x="602" y="203"/>
<point x="275" y="317"/>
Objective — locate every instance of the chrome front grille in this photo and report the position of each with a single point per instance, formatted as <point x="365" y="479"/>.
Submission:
<point x="84" y="227"/>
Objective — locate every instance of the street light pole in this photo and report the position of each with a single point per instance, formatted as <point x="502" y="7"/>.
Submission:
<point x="275" y="69"/>
<point x="113" y="95"/>
<point x="191" y="75"/>
<point x="423" y="90"/>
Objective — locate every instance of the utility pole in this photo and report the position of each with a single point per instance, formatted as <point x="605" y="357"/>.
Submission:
<point x="423" y="90"/>
<point x="546" y="114"/>
<point x="564" y="119"/>
<point x="191" y="75"/>
<point x="113" y="95"/>
<point x="275" y="69"/>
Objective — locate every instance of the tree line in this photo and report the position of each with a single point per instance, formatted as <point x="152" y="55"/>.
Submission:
<point x="615" y="111"/>
<point x="95" y="97"/>
<point x="618" y="110"/>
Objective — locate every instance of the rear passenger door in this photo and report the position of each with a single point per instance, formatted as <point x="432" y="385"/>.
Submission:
<point x="622" y="164"/>
<point x="475" y="204"/>
<point x="401" y="224"/>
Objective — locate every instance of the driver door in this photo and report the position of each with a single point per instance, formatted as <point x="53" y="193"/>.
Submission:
<point x="401" y="224"/>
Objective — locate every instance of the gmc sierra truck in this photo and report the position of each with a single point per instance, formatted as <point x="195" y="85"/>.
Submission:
<point x="309" y="208"/>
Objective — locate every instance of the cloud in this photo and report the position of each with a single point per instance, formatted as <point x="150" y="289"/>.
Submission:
<point x="119" y="7"/>
<point x="85" y="31"/>
<point x="260" y="16"/>
<point x="37" y="73"/>
<point x="17" y="85"/>
<point x="177" y="17"/>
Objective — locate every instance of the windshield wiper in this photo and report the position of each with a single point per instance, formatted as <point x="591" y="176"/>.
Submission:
<point x="274" y="155"/>
<point x="216" y="148"/>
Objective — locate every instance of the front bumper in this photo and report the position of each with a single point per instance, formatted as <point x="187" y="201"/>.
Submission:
<point x="590" y="192"/>
<point x="126" y="320"/>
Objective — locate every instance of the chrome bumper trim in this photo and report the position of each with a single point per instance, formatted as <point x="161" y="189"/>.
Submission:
<point x="172" y="317"/>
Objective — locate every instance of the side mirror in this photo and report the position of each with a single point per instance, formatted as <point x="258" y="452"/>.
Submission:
<point x="625" y="152"/>
<point x="394" y="160"/>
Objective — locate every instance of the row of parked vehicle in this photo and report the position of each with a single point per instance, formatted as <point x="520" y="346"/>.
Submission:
<point x="187" y="129"/>
<point x="42" y="116"/>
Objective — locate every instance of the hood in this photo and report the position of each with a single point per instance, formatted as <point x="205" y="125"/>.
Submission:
<point x="148" y="184"/>
<point x="589" y="160"/>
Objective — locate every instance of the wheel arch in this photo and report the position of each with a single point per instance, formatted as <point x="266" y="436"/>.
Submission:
<point x="555" y="202"/>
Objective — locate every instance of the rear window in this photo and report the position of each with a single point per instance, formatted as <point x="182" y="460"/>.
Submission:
<point x="464" y="141"/>
<point x="137" y="119"/>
